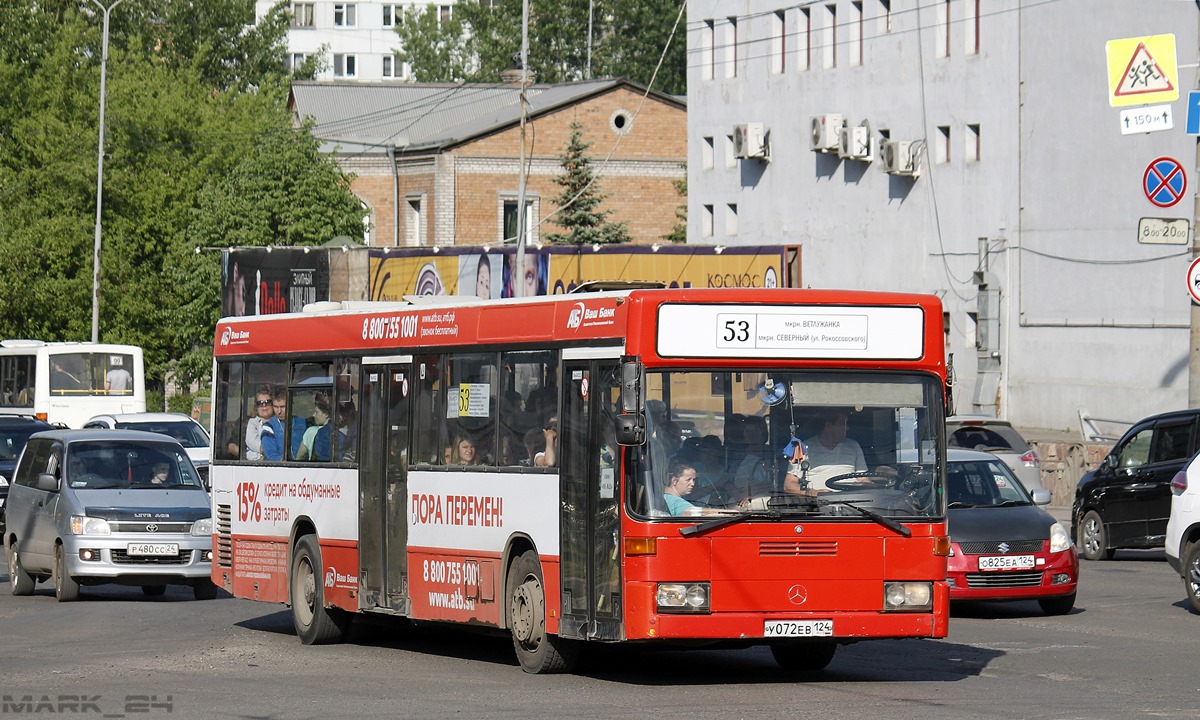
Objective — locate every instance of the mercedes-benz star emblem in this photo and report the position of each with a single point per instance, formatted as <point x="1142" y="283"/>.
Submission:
<point x="152" y="527"/>
<point x="798" y="594"/>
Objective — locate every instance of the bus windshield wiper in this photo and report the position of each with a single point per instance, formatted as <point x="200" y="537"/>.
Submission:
<point x="871" y="515"/>
<point x="720" y="523"/>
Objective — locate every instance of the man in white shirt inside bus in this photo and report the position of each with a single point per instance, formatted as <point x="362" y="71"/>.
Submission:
<point x="830" y="453"/>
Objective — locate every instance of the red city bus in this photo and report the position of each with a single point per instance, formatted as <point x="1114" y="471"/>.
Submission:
<point x="716" y="467"/>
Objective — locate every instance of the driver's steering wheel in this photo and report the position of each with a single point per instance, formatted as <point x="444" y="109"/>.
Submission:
<point x="863" y="480"/>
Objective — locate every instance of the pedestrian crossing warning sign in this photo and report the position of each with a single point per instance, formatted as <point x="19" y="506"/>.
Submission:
<point x="1142" y="70"/>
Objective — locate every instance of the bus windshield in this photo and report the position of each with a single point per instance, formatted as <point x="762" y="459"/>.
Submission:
<point x="810" y="443"/>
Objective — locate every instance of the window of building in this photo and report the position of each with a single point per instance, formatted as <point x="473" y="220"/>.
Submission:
<point x="971" y="26"/>
<point x="706" y="221"/>
<point x="707" y="50"/>
<point x="971" y="151"/>
<point x="829" y="38"/>
<point x="412" y="223"/>
<point x="295" y="61"/>
<point x="731" y="219"/>
<point x="389" y="63"/>
<point x="707" y="154"/>
<point x="884" y="15"/>
<point x="942" y="142"/>
<point x="393" y="15"/>
<point x="731" y="47"/>
<point x="510" y="219"/>
<point x="730" y="156"/>
<point x="345" y="65"/>
<point x="804" y="39"/>
<point x="941" y="32"/>
<point x="779" y="42"/>
<point x="445" y="13"/>
<point x="344" y="14"/>
<point x="302" y="15"/>
<point x="856" y="34"/>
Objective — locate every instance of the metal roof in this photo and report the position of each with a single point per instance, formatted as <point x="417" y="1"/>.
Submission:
<point x="371" y="117"/>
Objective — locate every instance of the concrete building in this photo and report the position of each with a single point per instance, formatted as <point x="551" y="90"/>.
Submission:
<point x="438" y="164"/>
<point x="358" y="38"/>
<point x="1014" y="190"/>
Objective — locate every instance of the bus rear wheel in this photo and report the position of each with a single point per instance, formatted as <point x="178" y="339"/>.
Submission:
<point x="315" y="624"/>
<point x="804" y="656"/>
<point x="538" y="651"/>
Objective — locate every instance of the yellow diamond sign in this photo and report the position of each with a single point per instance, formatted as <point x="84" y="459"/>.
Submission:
<point x="1142" y="70"/>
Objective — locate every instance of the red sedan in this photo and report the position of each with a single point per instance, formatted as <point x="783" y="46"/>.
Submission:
<point x="1003" y="545"/>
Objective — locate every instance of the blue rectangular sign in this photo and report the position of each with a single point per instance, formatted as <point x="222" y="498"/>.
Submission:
<point x="1193" y="114"/>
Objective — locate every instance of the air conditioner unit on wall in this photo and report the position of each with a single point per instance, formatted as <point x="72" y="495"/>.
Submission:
<point x="901" y="157"/>
<point x="856" y="143"/>
<point x="750" y="141"/>
<point x="826" y="132"/>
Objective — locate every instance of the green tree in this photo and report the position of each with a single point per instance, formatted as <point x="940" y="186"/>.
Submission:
<point x="196" y="113"/>
<point x="579" y="204"/>
<point x="484" y="40"/>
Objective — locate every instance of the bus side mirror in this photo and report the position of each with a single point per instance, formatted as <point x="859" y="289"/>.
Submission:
<point x="630" y="429"/>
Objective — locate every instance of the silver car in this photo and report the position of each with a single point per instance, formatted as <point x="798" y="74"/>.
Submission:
<point x="88" y="507"/>
<point x="1000" y="438"/>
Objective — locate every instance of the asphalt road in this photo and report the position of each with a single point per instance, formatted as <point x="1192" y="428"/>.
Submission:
<point x="1127" y="651"/>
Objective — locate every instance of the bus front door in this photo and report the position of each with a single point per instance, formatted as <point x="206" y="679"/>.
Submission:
<point x="383" y="488"/>
<point x="589" y="464"/>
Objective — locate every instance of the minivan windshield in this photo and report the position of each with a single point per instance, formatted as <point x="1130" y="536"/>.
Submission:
<point x="807" y="444"/>
<point x="116" y="464"/>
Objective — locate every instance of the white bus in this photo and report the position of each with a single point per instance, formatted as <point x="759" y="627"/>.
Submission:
<point x="65" y="383"/>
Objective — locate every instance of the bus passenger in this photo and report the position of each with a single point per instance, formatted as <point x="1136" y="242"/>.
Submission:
<point x="548" y="457"/>
<point x="466" y="451"/>
<point x="254" y="426"/>
<point x="321" y="413"/>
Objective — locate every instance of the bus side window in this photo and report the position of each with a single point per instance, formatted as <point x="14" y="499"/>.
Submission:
<point x="430" y="413"/>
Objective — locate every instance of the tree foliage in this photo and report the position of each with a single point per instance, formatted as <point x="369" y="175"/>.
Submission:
<point x="579" y="204"/>
<point x="484" y="40"/>
<point x="199" y="150"/>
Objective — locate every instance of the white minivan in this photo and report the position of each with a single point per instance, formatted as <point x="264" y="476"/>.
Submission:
<point x="88" y="507"/>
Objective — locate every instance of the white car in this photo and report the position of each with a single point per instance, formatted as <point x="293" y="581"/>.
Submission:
<point x="1000" y="438"/>
<point x="1183" y="530"/>
<point x="186" y="431"/>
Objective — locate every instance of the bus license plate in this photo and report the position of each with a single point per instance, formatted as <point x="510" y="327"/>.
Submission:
<point x="798" y="628"/>
<point x="1006" y="562"/>
<point x="152" y="549"/>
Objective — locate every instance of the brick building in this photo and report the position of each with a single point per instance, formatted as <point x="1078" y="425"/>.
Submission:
<point x="438" y="164"/>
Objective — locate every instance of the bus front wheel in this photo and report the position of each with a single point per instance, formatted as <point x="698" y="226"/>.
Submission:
<point x="315" y="624"/>
<point x="538" y="651"/>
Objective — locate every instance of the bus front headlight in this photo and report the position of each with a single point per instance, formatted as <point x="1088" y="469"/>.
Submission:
<point x="907" y="596"/>
<point x="682" y="597"/>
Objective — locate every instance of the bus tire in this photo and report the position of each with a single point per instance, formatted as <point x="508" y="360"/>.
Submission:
<point x="315" y="624"/>
<point x="804" y="656"/>
<point x="66" y="588"/>
<point x="537" y="650"/>
<point x="21" y="581"/>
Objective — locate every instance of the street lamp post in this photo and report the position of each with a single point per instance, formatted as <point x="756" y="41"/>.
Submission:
<point x="100" y="174"/>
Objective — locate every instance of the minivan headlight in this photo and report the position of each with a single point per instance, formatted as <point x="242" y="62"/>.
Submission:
<point x="1059" y="539"/>
<point x="3" y="481"/>
<point x="84" y="525"/>
<point x="202" y="527"/>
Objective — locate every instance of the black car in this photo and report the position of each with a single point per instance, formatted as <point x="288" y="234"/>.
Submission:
<point x="1126" y="501"/>
<point x="14" y="433"/>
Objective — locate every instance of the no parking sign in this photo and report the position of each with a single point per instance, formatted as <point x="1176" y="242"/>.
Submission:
<point x="1164" y="181"/>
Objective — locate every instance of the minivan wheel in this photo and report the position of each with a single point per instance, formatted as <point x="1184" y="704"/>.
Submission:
<point x="204" y="590"/>
<point x="66" y="588"/>
<point x="1191" y="575"/>
<point x="21" y="581"/>
<point x="1093" y="542"/>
